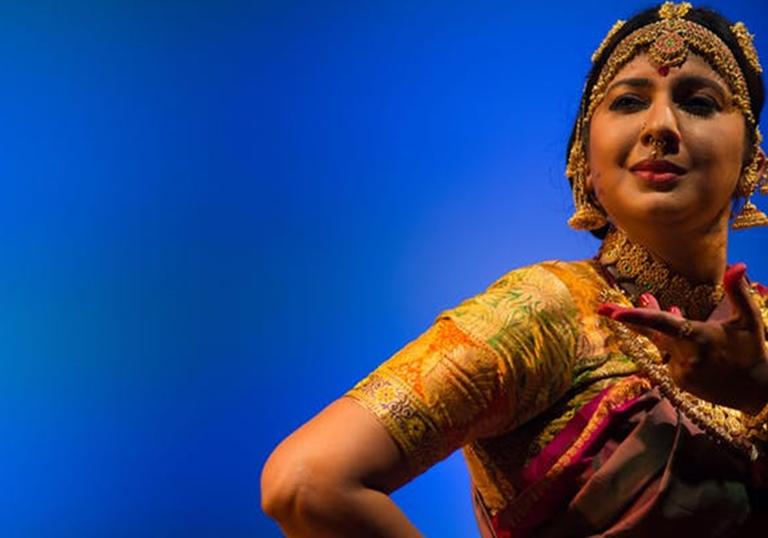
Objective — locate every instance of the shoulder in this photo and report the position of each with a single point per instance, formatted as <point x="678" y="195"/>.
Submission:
<point x="553" y="278"/>
<point x="552" y="286"/>
<point x="547" y="292"/>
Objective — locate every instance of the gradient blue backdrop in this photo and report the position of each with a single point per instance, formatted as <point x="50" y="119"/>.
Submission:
<point x="215" y="217"/>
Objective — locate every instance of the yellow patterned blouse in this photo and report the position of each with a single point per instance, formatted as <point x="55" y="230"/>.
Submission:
<point x="501" y="374"/>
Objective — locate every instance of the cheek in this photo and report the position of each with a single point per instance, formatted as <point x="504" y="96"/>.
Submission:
<point x="611" y="142"/>
<point x="718" y="158"/>
<point x="598" y="185"/>
<point x="719" y="150"/>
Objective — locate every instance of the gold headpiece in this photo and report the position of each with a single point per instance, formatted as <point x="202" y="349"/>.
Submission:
<point x="612" y="32"/>
<point x="747" y="44"/>
<point x="667" y="42"/>
<point x="670" y="10"/>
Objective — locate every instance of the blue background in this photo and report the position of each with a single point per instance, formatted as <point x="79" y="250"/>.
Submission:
<point x="215" y="217"/>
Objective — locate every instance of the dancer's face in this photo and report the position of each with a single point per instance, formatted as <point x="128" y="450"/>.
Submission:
<point x="692" y="180"/>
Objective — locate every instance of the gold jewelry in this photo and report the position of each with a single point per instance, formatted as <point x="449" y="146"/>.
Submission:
<point x="657" y="148"/>
<point x="668" y="43"/>
<point x="607" y="39"/>
<point x="737" y="430"/>
<point x="747" y="44"/>
<point x="633" y="266"/>
<point x="750" y="179"/>
<point x="750" y="216"/>
<point x="670" y="10"/>
<point x="764" y="183"/>
<point x="724" y="424"/>
<point x="757" y="420"/>
<point x="757" y="425"/>
<point x="686" y="329"/>
<point x="587" y="216"/>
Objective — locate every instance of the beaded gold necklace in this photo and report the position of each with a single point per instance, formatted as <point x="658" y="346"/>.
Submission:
<point x="636" y="271"/>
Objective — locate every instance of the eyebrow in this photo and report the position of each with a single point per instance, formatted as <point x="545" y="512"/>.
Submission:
<point x="707" y="82"/>
<point x="631" y="82"/>
<point x="691" y="80"/>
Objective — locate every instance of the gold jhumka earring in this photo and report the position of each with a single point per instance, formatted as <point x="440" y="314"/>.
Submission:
<point x="750" y="216"/>
<point x="586" y="216"/>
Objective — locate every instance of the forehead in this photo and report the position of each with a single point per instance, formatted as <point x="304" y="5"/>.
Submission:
<point x="695" y="65"/>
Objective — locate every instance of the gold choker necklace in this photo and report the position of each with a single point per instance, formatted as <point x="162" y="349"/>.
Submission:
<point x="636" y="271"/>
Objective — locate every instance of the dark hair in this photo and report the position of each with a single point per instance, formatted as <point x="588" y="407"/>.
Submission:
<point x="708" y="18"/>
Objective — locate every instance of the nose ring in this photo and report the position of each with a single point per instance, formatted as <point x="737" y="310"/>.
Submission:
<point x="658" y="146"/>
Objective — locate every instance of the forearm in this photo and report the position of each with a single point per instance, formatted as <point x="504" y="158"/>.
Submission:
<point x="339" y="512"/>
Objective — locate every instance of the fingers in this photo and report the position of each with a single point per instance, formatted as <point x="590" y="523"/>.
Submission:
<point x="647" y="300"/>
<point x="746" y="311"/>
<point x="669" y="323"/>
<point x="663" y="322"/>
<point x="608" y="311"/>
<point x="733" y="275"/>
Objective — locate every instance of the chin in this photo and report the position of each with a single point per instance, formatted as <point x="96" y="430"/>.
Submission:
<point x="671" y="211"/>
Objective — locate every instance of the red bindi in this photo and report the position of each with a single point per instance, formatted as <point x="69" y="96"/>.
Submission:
<point x="664" y="70"/>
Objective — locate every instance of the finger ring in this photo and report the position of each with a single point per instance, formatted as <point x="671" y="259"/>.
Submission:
<point x="686" y="329"/>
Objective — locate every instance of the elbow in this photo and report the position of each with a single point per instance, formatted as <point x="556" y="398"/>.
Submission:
<point x="274" y="501"/>
<point x="279" y="488"/>
<point x="292" y="490"/>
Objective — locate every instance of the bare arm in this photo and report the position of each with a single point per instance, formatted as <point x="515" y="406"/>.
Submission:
<point x="332" y="476"/>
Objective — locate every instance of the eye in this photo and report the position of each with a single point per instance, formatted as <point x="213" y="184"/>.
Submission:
<point x="701" y="105"/>
<point x="628" y="103"/>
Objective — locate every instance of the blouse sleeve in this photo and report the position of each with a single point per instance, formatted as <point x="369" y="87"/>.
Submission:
<point x="483" y="368"/>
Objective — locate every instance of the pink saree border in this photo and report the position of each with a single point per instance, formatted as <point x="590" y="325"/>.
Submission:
<point x="552" y="475"/>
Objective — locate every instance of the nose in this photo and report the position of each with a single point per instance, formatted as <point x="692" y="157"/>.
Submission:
<point x="660" y="131"/>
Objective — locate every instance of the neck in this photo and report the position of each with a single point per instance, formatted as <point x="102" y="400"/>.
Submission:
<point x="700" y="256"/>
<point x="679" y="270"/>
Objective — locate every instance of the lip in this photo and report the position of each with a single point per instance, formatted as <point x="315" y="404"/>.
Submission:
<point x="660" y="174"/>
<point x="659" y="166"/>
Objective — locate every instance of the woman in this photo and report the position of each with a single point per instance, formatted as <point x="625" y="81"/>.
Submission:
<point x="622" y="395"/>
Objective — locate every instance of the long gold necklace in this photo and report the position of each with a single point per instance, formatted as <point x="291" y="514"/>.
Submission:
<point x="637" y="271"/>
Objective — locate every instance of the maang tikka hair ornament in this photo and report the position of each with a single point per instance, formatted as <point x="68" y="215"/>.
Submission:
<point x="668" y="42"/>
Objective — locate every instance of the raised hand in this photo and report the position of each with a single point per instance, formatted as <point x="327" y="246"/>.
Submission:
<point x="724" y="359"/>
